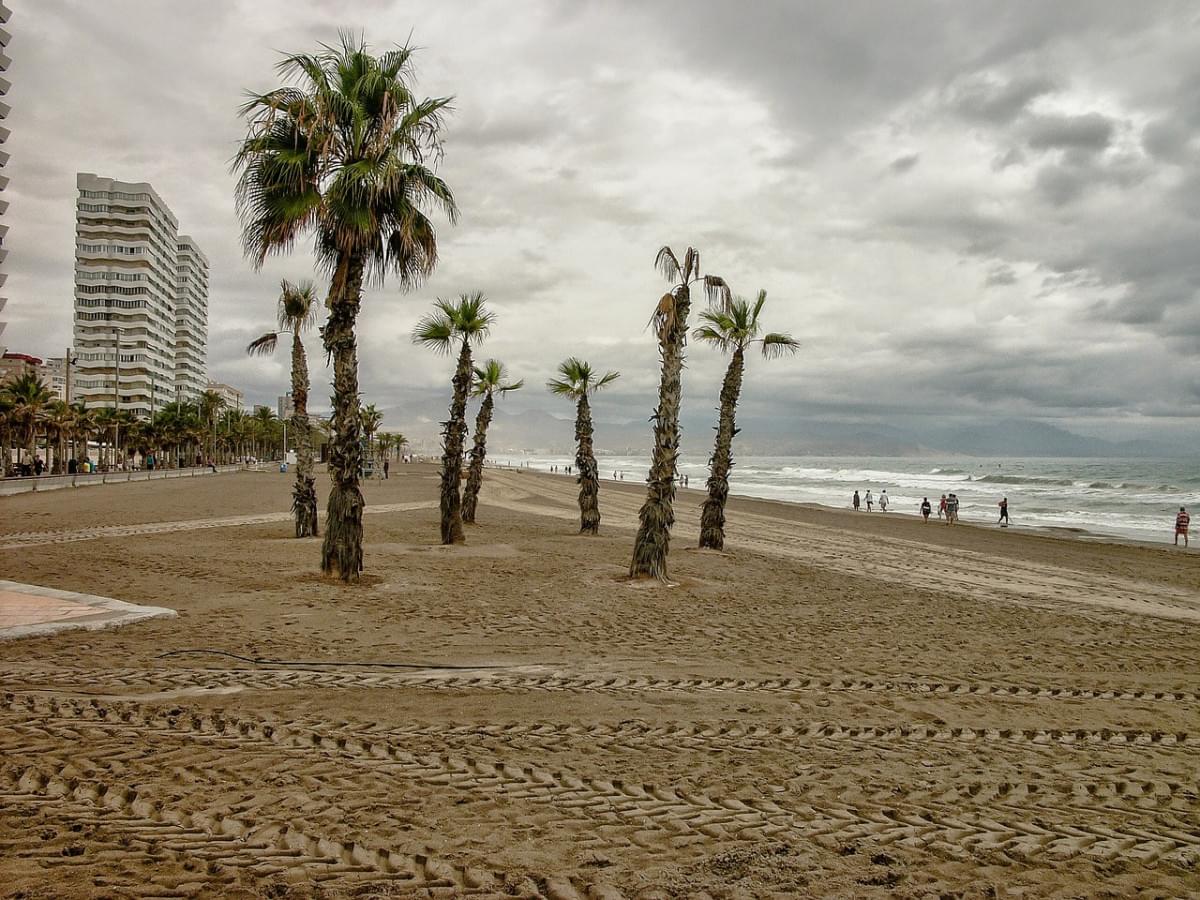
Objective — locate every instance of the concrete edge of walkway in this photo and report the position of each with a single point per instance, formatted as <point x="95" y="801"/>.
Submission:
<point x="109" y="613"/>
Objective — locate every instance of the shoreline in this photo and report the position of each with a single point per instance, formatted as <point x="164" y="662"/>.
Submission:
<point x="1059" y="532"/>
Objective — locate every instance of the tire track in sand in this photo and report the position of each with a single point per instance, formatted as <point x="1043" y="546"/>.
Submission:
<point x="667" y="819"/>
<point x="269" y="679"/>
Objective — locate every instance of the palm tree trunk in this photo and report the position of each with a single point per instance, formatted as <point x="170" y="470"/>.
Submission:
<point x="456" y="430"/>
<point x="589" y="478"/>
<point x="478" y="454"/>
<point x="342" y="550"/>
<point x="304" y="494"/>
<point x="657" y="514"/>
<point x="712" y="513"/>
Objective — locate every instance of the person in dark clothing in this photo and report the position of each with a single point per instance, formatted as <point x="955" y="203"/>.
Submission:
<point x="1003" y="513"/>
<point x="387" y="465"/>
<point x="926" y="509"/>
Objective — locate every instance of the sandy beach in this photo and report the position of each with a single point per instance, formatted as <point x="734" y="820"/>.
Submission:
<point x="840" y="704"/>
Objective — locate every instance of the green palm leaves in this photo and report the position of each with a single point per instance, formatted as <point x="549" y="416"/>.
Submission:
<point x="737" y="326"/>
<point x="490" y="379"/>
<point x="341" y="151"/>
<point x="466" y="319"/>
<point x="576" y="379"/>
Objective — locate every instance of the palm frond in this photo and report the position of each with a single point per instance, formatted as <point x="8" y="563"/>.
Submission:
<point x="561" y="387"/>
<point x="775" y="345"/>
<point x="435" y="332"/>
<point x="717" y="292"/>
<point x="666" y="263"/>
<point x="609" y="378"/>
<point x="264" y="345"/>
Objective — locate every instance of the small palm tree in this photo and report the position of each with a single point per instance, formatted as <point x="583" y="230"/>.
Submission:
<point x="670" y="325"/>
<point x="464" y="322"/>
<point x="345" y="151"/>
<point x="296" y="313"/>
<point x="489" y="381"/>
<point x="372" y="418"/>
<point x="578" y="382"/>
<point x="731" y="331"/>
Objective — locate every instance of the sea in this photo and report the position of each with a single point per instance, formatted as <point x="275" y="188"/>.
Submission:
<point x="1134" y="499"/>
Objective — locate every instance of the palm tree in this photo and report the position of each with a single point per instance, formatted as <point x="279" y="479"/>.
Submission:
<point x="296" y="312"/>
<point x="28" y="397"/>
<point x="59" y="419"/>
<point x="670" y="325"/>
<point x="371" y="420"/>
<point x="210" y="404"/>
<point x="577" y="382"/>
<point x="6" y="431"/>
<point x="731" y="331"/>
<point x="489" y="381"/>
<point x="465" y="322"/>
<point x="345" y="150"/>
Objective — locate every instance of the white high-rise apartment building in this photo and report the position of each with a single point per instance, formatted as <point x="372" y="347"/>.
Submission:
<point x="135" y="277"/>
<point x="191" y="320"/>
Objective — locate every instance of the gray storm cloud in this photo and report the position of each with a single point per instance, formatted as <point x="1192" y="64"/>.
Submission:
<point x="960" y="210"/>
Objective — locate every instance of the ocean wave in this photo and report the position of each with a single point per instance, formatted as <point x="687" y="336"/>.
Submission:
<point x="947" y="472"/>
<point x="1025" y="479"/>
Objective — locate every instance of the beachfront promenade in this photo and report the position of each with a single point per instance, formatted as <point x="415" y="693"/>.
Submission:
<point x="33" y="483"/>
<point x="836" y="705"/>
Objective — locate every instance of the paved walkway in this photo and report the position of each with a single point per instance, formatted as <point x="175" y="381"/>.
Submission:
<point x="27" y="610"/>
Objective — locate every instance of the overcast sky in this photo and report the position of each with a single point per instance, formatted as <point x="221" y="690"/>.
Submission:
<point x="960" y="209"/>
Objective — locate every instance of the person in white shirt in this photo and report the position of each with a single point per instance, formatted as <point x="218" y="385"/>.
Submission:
<point x="883" y="500"/>
<point x="869" y="501"/>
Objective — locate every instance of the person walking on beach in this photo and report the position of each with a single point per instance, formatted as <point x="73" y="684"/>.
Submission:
<point x="952" y="509"/>
<point x="1003" y="520"/>
<point x="1182" y="521"/>
<point x="870" y="502"/>
<point x="387" y="466"/>
<point x="926" y="509"/>
<point x="883" y="500"/>
<point x="856" y="501"/>
<point x="942" y="507"/>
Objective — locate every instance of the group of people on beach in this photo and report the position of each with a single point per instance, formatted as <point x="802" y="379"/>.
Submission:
<point x="947" y="510"/>
<point x="869" y="502"/>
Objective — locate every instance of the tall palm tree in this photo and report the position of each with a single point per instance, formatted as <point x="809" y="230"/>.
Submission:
<point x="578" y="382"/>
<point x="60" y="420"/>
<point x="210" y="404"/>
<point x="489" y="381"/>
<point x="296" y="313"/>
<point x="670" y="324"/>
<point x="345" y="150"/>
<point x="28" y="397"/>
<point x="731" y="331"/>
<point x="463" y="322"/>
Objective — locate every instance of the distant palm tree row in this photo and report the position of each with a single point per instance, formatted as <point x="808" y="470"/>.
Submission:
<point x="344" y="153"/>
<point x="36" y="425"/>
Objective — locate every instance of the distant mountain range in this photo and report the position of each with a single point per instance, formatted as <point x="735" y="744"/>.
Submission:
<point x="540" y="432"/>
